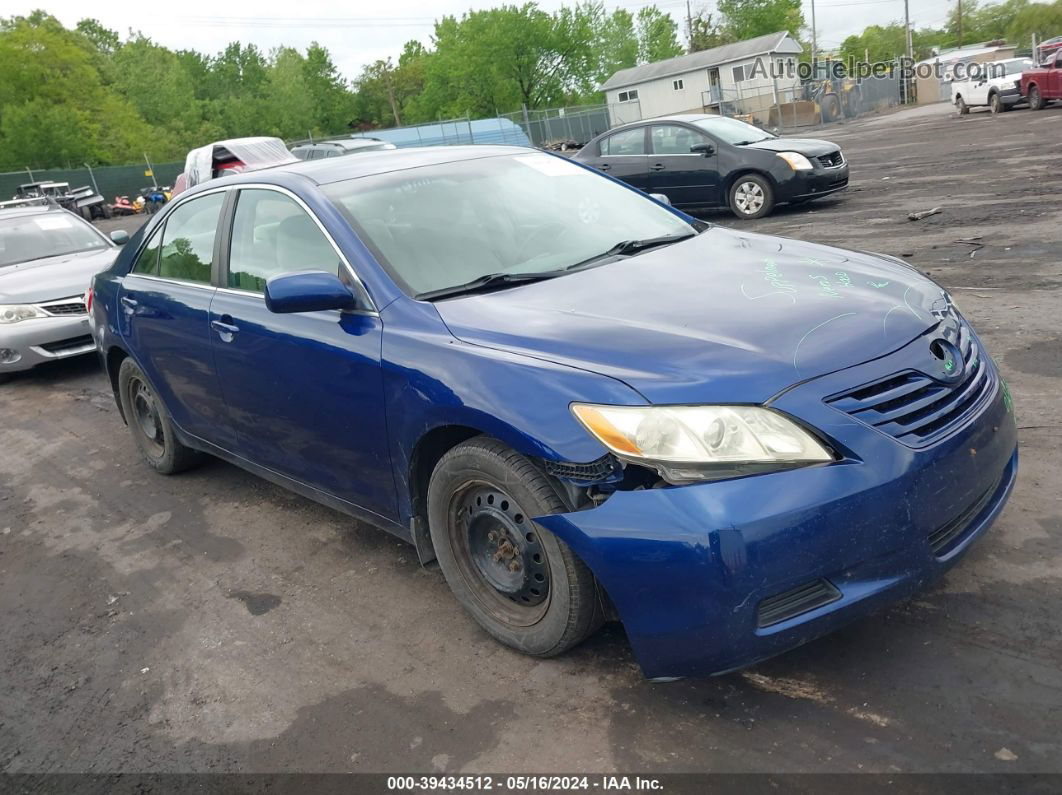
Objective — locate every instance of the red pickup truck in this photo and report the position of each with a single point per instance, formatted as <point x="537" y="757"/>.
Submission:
<point x="1043" y="83"/>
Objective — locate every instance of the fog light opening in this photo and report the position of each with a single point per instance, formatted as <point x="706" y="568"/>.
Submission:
<point x="9" y="356"/>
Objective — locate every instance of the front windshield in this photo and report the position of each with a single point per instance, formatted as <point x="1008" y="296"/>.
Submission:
<point x="51" y="234"/>
<point x="1014" y="67"/>
<point x="732" y="131"/>
<point x="444" y="225"/>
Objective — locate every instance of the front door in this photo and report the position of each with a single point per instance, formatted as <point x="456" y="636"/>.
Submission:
<point x="164" y="303"/>
<point x="304" y="391"/>
<point x="623" y="156"/>
<point x="687" y="178"/>
<point x="1055" y="77"/>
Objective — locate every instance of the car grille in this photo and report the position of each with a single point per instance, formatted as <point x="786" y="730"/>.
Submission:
<point x="65" y="306"/>
<point x="839" y="183"/>
<point x="832" y="160"/>
<point x="68" y="344"/>
<point x="948" y="535"/>
<point x="802" y="599"/>
<point x="917" y="409"/>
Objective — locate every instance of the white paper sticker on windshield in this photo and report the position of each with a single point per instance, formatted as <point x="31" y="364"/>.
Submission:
<point x="52" y="222"/>
<point x="549" y="165"/>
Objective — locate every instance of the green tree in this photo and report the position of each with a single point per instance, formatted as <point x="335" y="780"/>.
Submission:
<point x="747" y="19"/>
<point x="657" y="35"/>
<point x="617" y="44"/>
<point x="706" y="33"/>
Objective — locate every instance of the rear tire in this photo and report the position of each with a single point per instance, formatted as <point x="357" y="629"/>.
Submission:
<point x="86" y="213"/>
<point x="107" y="211"/>
<point x="1036" y="102"/>
<point x="518" y="581"/>
<point x="150" y="423"/>
<point x="751" y="197"/>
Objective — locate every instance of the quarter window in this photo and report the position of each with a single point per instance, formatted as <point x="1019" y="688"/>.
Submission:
<point x="188" y="240"/>
<point x="628" y="142"/>
<point x="272" y="234"/>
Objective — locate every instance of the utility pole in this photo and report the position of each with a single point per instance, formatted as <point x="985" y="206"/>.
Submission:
<point x="907" y="28"/>
<point x="960" y="21"/>
<point x="689" y="27"/>
<point x="814" y="41"/>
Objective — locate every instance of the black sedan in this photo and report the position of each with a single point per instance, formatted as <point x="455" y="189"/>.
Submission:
<point x="701" y="160"/>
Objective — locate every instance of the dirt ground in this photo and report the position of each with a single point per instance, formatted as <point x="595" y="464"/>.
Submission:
<point x="213" y="622"/>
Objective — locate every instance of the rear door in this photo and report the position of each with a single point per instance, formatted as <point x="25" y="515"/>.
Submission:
<point x="165" y="303"/>
<point x="304" y="391"/>
<point x="686" y="178"/>
<point x="623" y="156"/>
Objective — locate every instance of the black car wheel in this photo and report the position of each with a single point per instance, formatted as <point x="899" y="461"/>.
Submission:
<point x="1036" y="102"/>
<point x="751" y="196"/>
<point x="519" y="582"/>
<point x="150" y="423"/>
<point x="960" y="105"/>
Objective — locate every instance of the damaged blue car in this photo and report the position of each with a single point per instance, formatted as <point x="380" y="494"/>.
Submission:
<point x="585" y="404"/>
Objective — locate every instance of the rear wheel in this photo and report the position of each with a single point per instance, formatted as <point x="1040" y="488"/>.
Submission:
<point x="1036" y="102"/>
<point x="86" y="213"/>
<point x="751" y="196"/>
<point x="960" y="105"/>
<point x="150" y="424"/>
<point x="107" y="211"/>
<point x="519" y="582"/>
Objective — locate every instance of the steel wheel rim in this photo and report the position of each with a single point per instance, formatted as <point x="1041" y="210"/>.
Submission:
<point x="499" y="554"/>
<point x="749" y="197"/>
<point x="146" y="416"/>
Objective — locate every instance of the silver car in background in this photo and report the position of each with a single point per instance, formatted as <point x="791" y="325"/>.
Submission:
<point x="48" y="257"/>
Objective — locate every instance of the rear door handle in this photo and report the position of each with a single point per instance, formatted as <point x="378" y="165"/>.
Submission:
<point x="227" y="331"/>
<point x="129" y="304"/>
<point x="604" y="167"/>
<point x="657" y="167"/>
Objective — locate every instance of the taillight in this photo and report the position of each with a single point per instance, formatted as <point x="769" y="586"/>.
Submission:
<point x="88" y="301"/>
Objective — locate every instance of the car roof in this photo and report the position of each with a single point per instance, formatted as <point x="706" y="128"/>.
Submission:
<point x="28" y="209"/>
<point x="686" y="118"/>
<point x="384" y="161"/>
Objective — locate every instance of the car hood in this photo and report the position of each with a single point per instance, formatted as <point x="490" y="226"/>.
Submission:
<point x="54" y="277"/>
<point x="811" y="147"/>
<point x="726" y="316"/>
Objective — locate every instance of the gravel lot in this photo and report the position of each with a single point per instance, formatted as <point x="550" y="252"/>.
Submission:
<point x="214" y="622"/>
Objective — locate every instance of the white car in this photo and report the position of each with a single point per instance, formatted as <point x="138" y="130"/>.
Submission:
<point x="995" y="85"/>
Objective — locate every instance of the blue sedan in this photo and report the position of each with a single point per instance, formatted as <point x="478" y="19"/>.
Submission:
<point x="585" y="404"/>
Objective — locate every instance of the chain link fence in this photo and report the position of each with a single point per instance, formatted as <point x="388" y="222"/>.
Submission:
<point x="554" y="126"/>
<point x="110" y="181"/>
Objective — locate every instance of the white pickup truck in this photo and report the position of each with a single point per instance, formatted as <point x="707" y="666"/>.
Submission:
<point x="996" y="85"/>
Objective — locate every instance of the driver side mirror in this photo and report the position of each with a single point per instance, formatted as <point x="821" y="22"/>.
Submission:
<point x="119" y="237"/>
<point x="307" y="291"/>
<point x="703" y="149"/>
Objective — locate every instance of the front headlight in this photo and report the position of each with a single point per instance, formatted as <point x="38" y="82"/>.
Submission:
<point x="685" y="443"/>
<point x="13" y="313"/>
<point x="796" y="161"/>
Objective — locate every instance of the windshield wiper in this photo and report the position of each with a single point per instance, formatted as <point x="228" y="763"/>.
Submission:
<point x="630" y="247"/>
<point x="490" y="281"/>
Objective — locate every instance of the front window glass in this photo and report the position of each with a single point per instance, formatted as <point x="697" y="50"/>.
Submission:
<point x="444" y="225"/>
<point x="670" y="139"/>
<point x="272" y="234"/>
<point x="732" y="131"/>
<point x="39" y="236"/>
<point x="188" y="240"/>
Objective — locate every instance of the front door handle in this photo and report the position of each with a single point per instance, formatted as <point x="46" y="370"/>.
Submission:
<point x="227" y="331"/>
<point x="657" y="167"/>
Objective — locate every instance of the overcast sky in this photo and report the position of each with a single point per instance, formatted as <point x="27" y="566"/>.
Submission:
<point x="358" y="33"/>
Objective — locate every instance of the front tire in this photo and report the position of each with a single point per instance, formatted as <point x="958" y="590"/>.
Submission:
<point x="961" y="106"/>
<point x="995" y="104"/>
<point x="1036" y="102"/>
<point x="751" y="197"/>
<point x="519" y="582"/>
<point x="150" y="423"/>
